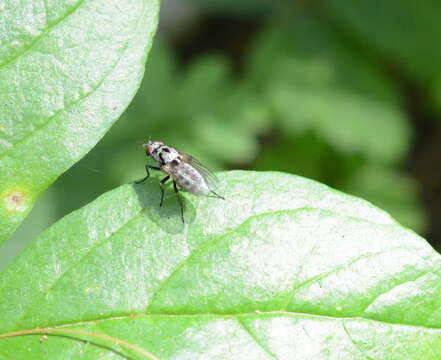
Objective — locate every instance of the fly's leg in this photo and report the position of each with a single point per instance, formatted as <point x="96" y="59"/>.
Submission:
<point x="179" y="200"/>
<point x="161" y="185"/>
<point x="217" y="195"/>
<point x="147" y="167"/>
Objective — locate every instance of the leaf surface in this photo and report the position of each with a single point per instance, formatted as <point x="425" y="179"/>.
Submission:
<point x="284" y="268"/>
<point x="67" y="71"/>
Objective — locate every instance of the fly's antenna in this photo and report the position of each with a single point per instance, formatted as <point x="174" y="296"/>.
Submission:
<point x="148" y="142"/>
<point x="142" y="143"/>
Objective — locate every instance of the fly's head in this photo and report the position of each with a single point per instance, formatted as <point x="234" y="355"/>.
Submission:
<point x="151" y="147"/>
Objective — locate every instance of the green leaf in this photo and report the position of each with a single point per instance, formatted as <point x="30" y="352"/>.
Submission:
<point x="67" y="71"/>
<point x="284" y="268"/>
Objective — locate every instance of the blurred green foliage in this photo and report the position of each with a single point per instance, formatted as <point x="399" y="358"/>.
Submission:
<point x="314" y="82"/>
<point x="404" y="33"/>
<point x="201" y="108"/>
<point x="313" y="96"/>
<point x="342" y="118"/>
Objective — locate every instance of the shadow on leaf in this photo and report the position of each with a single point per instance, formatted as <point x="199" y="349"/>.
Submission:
<point x="167" y="216"/>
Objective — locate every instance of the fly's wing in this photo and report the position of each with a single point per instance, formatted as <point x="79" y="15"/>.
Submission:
<point x="206" y="173"/>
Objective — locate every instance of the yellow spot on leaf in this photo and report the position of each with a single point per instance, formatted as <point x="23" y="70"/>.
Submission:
<point x="15" y="200"/>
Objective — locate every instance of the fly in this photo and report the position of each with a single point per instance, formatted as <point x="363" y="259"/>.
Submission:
<point x="186" y="172"/>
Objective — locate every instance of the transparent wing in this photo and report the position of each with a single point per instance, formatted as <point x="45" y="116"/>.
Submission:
<point x="206" y="173"/>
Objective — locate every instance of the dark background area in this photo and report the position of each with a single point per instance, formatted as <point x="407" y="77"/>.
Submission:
<point x="347" y="93"/>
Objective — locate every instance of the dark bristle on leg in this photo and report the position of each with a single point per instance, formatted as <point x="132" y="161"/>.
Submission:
<point x="161" y="185"/>
<point x="217" y="195"/>
<point x="179" y="201"/>
<point x="147" y="167"/>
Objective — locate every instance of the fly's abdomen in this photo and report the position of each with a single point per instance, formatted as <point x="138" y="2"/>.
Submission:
<point x="189" y="179"/>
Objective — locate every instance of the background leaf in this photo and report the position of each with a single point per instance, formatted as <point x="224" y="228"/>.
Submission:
<point x="386" y="188"/>
<point x="409" y="41"/>
<point x="67" y="71"/>
<point x="315" y="82"/>
<point x="344" y="280"/>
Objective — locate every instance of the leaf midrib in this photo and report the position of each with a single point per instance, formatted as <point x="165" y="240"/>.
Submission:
<point x="227" y="316"/>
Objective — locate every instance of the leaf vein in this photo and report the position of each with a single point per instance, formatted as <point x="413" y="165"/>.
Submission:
<point x="394" y="287"/>
<point x="77" y="263"/>
<point x="253" y="336"/>
<point x="204" y="247"/>
<point x="132" y="316"/>
<point x="357" y="347"/>
<point x="336" y="269"/>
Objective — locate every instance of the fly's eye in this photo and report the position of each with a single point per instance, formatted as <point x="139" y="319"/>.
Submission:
<point x="149" y="149"/>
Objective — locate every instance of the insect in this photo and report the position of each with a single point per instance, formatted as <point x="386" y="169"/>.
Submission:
<point x="186" y="172"/>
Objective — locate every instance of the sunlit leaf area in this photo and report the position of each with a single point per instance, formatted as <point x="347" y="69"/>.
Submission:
<point x="296" y="270"/>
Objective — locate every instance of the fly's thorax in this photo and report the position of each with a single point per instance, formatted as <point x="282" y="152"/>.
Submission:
<point x="189" y="179"/>
<point x="164" y="155"/>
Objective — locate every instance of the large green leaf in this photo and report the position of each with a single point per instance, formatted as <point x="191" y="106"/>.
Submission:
<point x="284" y="268"/>
<point x="67" y="71"/>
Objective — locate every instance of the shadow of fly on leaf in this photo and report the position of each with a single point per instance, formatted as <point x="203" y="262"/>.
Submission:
<point x="187" y="173"/>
